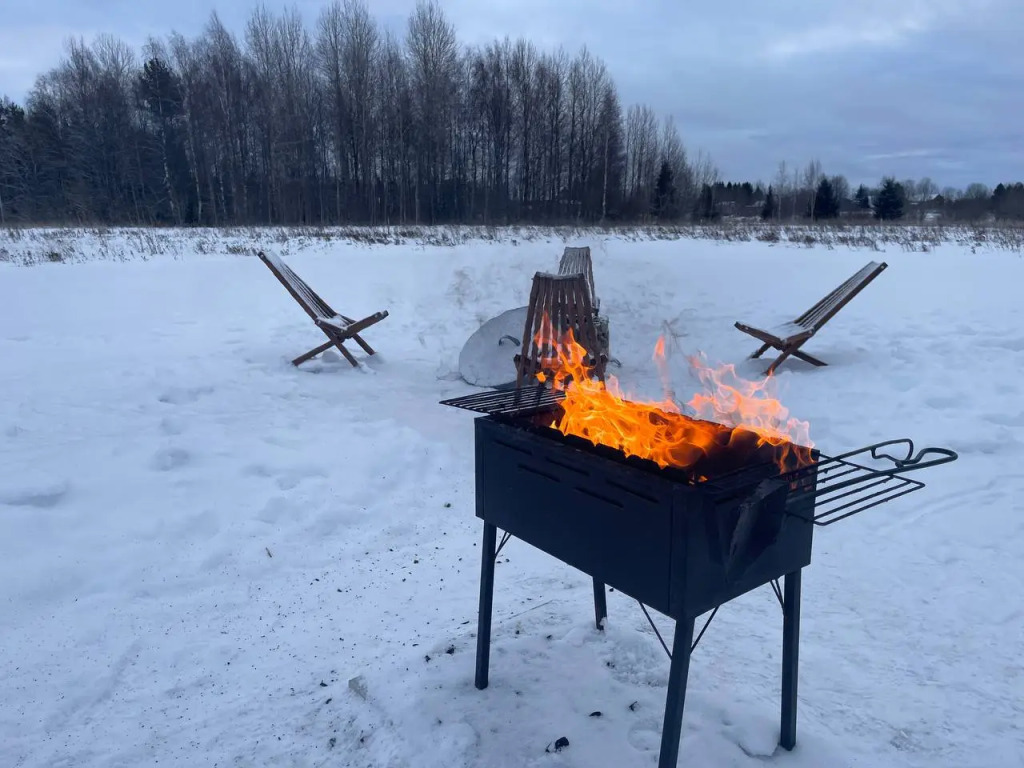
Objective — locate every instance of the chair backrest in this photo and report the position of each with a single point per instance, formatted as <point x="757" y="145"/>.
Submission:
<point x="823" y="311"/>
<point x="576" y="261"/>
<point x="306" y="297"/>
<point x="557" y="303"/>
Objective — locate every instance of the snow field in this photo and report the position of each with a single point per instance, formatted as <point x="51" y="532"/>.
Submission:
<point x="201" y="545"/>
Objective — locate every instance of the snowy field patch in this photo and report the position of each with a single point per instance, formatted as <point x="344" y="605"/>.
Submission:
<point x="210" y="557"/>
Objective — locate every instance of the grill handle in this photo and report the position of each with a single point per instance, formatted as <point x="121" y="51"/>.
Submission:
<point x="843" y="488"/>
<point x="909" y="462"/>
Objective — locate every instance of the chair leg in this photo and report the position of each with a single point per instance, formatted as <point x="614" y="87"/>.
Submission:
<point x="347" y="354"/>
<point x="366" y="347"/>
<point x="323" y="348"/>
<point x="808" y="358"/>
<point x="763" y="348"/>
<point x="312" y="353"/>
<point x="779" y="360"/>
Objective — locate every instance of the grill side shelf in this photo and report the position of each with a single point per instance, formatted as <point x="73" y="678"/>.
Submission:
<point x="845" y="488"/>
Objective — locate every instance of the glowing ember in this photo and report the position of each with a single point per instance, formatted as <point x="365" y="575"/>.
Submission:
<point x="741" y="418"/>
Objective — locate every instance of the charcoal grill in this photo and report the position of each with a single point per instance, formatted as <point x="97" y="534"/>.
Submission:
<point x="681" y="542"/>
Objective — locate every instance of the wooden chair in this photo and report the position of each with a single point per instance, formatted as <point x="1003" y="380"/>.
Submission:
<point x="565" y="300"/>
<point x="336" y="327"/>
<point x="576" y="261"/>
<point x="789" y="337"/>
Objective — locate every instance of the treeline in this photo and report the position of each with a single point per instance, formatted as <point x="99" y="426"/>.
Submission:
<point x="808" y="193"/>
<point x="344" y="122"/>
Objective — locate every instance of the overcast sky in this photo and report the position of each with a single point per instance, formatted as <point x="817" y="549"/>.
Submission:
<point x="870" y="87"/>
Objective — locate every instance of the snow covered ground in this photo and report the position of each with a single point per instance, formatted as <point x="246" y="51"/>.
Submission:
<point x="201" y="546"/>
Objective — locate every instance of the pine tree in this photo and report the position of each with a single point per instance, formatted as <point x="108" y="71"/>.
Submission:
<point x="706" y="207"/>
<point x="863" y="198"/>
<point x="889" y="201"/>
<point x="826" y="202"/>
<point x="665" y="193"/>
<point x="748" y="193"/>
<point x="770" y="205"/>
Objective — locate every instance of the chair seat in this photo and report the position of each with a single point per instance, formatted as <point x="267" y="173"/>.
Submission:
<point x="336" y="321"/>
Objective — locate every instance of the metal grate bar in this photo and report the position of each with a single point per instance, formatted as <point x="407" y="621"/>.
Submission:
<point x="510" y="402"/>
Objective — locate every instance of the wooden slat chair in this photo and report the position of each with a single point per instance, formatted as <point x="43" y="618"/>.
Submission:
<point x="336" y="327"/>
<point x="789" y="337"/>
<point x="576" y="261"/>
<point x="565" y="299"/>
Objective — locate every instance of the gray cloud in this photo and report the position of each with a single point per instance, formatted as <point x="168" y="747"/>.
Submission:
<point x="869" y="87"/>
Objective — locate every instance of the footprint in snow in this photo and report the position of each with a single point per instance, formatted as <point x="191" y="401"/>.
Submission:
<point x="183" y="395"/>
<point x="944" y="402"/>
<point x="41" y="495"/>
<point x="276" y="508"/>
<point x="171" y="426"/>
<point x="167" y="459"/>
<point x="284" y="478"/>
<point x="1010" y="345"/>
<point x="289" y="478"/>
<point x="645" y="735"/>
<point x="1006" y="419"/>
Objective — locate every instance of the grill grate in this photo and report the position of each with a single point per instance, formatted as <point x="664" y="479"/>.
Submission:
<point x="509" y="402"/>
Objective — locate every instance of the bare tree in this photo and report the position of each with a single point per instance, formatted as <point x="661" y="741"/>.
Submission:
<point x="643" y="156"/>
<point x="841" y="187"/>
<point x="926" y="189"/>
<point x="811" y="178"/>
<point x="522" y="79"/>
<point x="674" y="153"/>
<point x="348" y="57"/>
<point x="551" y="77"/>
<point x="781" y="186"/>
<point x="433" y="55"/>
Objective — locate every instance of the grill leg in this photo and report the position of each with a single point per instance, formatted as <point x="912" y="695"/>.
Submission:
<point x="483" y="627"/>
<point x="677" y="674"/>
<point x="790" y="657"/>
<point x="600" y="604"/>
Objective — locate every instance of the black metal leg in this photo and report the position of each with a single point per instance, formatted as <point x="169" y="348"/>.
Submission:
<point x="672" y="727"/>
<point x="600" y="604"/>
<point x="483" y="627"/>
<point x="790" y="657"/>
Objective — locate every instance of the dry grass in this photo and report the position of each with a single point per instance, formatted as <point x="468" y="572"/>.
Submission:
<point x="38" y="245"/>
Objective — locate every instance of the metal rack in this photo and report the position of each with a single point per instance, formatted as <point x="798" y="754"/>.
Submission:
<point x="843" y="488"/>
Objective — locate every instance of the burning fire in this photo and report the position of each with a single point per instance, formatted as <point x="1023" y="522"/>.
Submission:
<point x="737" y="417"/>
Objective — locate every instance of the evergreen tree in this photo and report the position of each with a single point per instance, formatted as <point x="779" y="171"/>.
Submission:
<point x="863" y="198"/>
<point x="159" y="93"/>
<point x="890" y="200"/>
<point x="748" y="193"/>
<point x="706" y="206"/>
<point x="665" y="193"/>
<point x="770" y="206"/>
<point x="16" y="163"/>
<point x="826" y="202"/>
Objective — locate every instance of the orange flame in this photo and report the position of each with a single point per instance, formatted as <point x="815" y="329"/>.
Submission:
<point x="736" y="419"/>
